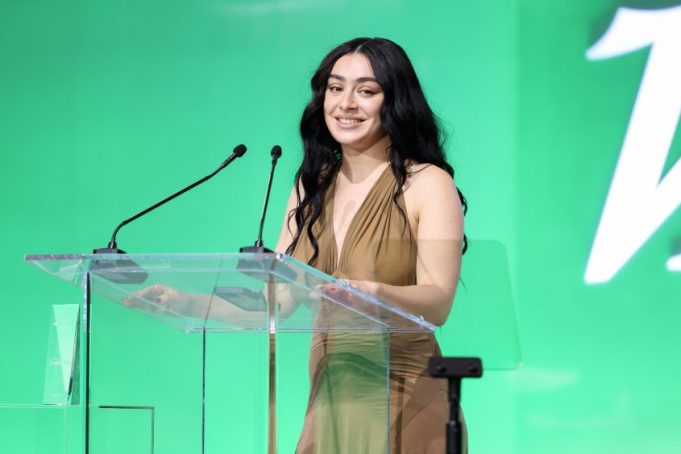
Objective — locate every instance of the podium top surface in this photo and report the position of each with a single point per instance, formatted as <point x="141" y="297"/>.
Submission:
<point x="262" y="292"/>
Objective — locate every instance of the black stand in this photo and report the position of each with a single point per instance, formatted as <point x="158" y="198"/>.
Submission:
<point x="454" y="369"/>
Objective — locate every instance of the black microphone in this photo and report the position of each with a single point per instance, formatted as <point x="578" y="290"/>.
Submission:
<point x="258" y="246"/>
<point x="112" y="248"/>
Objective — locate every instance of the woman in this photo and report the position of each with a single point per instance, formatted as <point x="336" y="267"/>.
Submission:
<point x="375" y="203"/>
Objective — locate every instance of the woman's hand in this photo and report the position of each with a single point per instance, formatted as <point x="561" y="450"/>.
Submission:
<point x="368" y="287"/>
<point x="160" y="299"/>
<point x="338" y="290"/>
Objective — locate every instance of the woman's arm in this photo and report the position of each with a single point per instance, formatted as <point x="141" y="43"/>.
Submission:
<point x="436" y="213"/>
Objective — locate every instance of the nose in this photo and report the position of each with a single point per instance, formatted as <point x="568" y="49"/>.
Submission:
<point x="348" y="100"/>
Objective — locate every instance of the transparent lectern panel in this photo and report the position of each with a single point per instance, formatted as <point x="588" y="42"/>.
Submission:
<point x="145" y="381"/>
<point x="333" y="305"/>
<point x="231" y="292"/>
<point x="237" y="400"/>
<point x="338" y="399"/>
<point x="240" y="335"/>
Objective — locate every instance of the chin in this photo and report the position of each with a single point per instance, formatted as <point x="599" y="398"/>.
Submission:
<point x="354" y="144"/>
<point x="343" y="138"/>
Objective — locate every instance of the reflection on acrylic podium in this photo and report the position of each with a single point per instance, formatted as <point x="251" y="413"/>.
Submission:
<point x="226" y="370"/>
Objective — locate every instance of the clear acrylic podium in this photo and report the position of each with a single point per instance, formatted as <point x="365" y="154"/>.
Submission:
<point x="210" y="353"/>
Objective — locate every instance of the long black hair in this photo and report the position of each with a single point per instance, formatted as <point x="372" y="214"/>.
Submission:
<point x="406" y="118"/>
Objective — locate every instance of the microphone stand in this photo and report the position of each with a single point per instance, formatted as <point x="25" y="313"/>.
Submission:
<point x="454" y="369"/>
<point x="258" y="247"/>
<point x="112" y="247"/>
<point x="131" y="272"/>
<point x="252" y="267"/>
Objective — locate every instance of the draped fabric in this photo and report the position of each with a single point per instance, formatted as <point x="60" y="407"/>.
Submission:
<point x="347" y="411"/>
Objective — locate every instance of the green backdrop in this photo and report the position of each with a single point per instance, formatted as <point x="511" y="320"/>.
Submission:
<point x="105" y="107"/>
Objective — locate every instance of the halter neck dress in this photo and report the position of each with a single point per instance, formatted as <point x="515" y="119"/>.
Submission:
<point x="346" y="411"/>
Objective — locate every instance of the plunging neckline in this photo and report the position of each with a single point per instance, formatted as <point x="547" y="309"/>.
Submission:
<point x="338" y="252"/>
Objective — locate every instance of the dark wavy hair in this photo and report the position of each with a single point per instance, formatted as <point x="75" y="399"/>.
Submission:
<point x="405" y="116"/>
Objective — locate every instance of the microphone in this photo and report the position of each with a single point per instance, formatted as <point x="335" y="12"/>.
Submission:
<point x="258" y="246"/>
<point x="112" y="247"/>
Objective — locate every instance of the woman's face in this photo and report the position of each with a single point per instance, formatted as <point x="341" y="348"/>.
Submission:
<point x="352" y="103"/>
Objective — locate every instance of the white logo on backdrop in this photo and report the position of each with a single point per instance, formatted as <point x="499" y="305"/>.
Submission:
<point x="640" y="198"/>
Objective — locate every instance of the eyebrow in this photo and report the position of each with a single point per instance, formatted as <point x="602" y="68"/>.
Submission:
<point x="358" y="80"/>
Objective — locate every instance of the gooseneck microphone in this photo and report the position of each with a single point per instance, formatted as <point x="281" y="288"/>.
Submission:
<point x="112" y="248"/>
<point x="258" y="247"/>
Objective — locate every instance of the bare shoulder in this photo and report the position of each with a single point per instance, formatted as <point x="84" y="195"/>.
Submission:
<point x="423" y="179"/>
<point x="432" y="200"/>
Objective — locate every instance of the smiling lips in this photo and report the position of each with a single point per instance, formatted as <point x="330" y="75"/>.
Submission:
<point x="345" y="122"/>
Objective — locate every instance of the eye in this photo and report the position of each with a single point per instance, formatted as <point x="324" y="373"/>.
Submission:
<point x="334" y="88"/>
<point x="368" y="91"/>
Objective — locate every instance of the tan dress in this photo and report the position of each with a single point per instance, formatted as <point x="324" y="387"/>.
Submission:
<point x="346" y="412"/>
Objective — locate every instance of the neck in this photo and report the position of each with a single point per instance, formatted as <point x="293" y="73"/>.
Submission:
<point x="359" y="164"/>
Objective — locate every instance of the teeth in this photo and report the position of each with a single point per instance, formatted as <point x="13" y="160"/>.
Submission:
<point x="348" y="121"/>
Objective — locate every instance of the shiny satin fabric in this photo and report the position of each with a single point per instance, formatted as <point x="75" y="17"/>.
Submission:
<point x="356" y="405"/>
